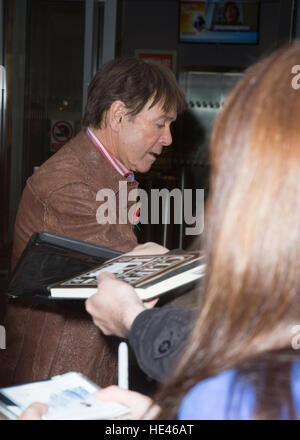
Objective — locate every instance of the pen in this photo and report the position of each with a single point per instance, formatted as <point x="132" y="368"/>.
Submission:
<point x="123" y="365"/>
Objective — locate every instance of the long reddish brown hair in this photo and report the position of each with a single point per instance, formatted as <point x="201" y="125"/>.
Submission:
<point x="251" y="295"/>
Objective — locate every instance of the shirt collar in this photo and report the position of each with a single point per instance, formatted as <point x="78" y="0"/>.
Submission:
<point x="118" y="166"/>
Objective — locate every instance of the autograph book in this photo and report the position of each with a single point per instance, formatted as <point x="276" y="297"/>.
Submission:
<point x="150" y="275"/>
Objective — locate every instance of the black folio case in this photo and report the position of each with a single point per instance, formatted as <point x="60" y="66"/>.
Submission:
<point x="49" y="258"/>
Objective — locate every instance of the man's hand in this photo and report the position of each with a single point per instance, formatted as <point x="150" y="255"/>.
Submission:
<point x="149" y="248"/>
<point x="115" y="306"/>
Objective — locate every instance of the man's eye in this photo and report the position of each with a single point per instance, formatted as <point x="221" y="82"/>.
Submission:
<point x="160" y="125"/>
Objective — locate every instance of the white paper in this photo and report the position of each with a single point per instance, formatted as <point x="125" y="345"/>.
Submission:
<point x="68" y="397"/>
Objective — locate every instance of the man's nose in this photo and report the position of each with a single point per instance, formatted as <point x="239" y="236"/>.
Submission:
<point x="167" y="137"/>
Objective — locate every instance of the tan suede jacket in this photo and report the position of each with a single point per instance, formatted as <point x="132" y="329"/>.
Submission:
<point x="61" y="198"/>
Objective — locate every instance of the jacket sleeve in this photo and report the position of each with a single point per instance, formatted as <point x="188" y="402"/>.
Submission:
<point x="157" y="337"/>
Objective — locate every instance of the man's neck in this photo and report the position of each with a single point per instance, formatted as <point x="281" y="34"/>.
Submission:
<point x="107" y="139"/>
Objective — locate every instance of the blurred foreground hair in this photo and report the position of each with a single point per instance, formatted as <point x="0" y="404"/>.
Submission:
<point x="251" y="294"/>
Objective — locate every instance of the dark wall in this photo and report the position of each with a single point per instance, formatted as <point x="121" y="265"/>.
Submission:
<point x="153" y="24"/>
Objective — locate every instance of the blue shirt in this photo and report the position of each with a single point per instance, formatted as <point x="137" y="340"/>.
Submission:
<point x="221" y="398"/>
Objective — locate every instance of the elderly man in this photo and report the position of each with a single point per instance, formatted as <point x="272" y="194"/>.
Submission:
<point x="131" y="105"/>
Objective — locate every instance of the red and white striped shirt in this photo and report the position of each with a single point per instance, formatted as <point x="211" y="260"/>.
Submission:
<point x="118" y="166"/>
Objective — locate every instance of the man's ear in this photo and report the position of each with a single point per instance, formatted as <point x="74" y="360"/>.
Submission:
<point x="116" y="114"/>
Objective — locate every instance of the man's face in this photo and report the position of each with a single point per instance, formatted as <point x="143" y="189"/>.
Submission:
<point x="142" y="137"/>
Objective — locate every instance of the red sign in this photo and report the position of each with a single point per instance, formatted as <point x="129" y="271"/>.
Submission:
<point x="61" y="133"/>
<point x="168" y="58"/>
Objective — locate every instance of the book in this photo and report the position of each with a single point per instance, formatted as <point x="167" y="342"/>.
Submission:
<point x="68" y="397"/>
<point x="150" y="275"/>
<point x="50" y="258"/>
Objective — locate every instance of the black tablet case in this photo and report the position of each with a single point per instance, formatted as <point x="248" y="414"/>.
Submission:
<point x="49" y="258"/>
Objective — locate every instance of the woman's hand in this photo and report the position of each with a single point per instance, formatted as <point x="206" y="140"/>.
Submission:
<point x="141" y="406"/>
<point x="34" y="412"/>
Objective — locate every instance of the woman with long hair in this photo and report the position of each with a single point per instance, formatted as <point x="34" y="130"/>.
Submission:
<point x="251" y="297"/>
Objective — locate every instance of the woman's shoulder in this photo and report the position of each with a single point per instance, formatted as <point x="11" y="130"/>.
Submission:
<point x="218" y="398"/>
<point x="296" y="385"/>
<point x="229" y="396"/>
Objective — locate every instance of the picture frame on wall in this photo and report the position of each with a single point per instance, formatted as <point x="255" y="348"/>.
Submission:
<point x="166" y="57"/>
